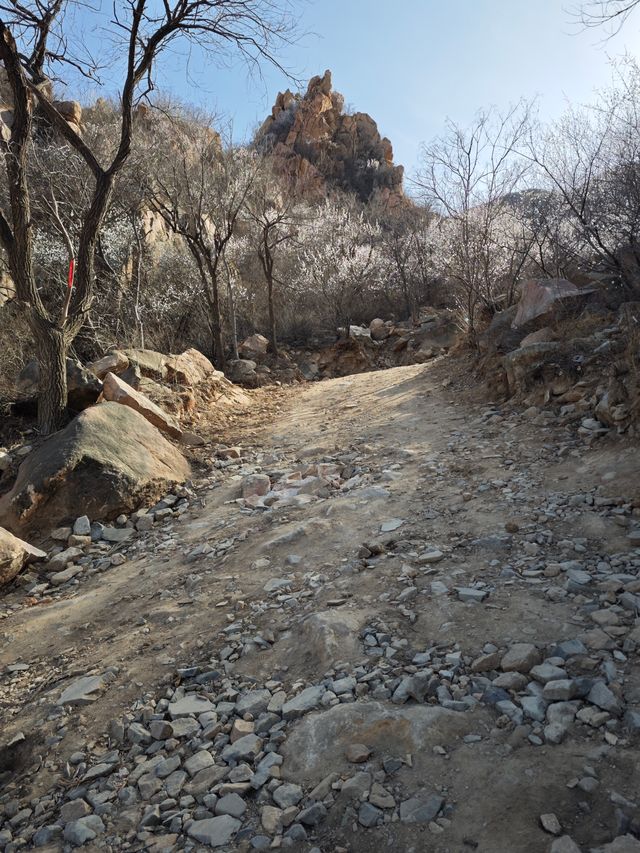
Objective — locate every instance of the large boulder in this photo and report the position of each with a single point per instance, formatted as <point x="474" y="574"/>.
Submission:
<point x="254" y="347"/>
<point x="113" y="362"/>
<point x="83" y="387"/>
<point x="379" y="329"/>
<point x="500" y="336"/>
<point x="107" y="461"/>
<point x="614" y="408"/>
<point x="541" y="297"/>
<point x="14" y="555"/>
<point x="117" y="391"/>
<point x="151" y="364"/>
<point x="359" y="332"/>
<point x="523" y="362"/>
<point x="439" y="332"/>
<point x="191" y="368"/>
<point x="540" y="336"/>
<point x="243" y="371"/>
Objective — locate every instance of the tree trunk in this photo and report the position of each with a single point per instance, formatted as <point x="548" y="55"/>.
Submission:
<point x="266" y="259"/>
<point x="51" y="349"/>
<point x="209" y="273"/>
<point x="216" y="324"/>
<point x="232" y="315"/>
<point x="273" y="341"/>
<point x="136" y="307"/>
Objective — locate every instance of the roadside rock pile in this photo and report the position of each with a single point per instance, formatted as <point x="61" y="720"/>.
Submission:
<point x="382" y="345"/>
<point x="590" y="376"/>
<point x="258" y="367"/>
<point x="184" y="385"/>
<point x="112" y="458"/>
<point x="86" y="547"/>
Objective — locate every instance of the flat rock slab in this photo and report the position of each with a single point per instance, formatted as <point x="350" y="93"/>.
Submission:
<point x="467" y="593"/>
<point x="391" y="525"/>
<point x="83" y="691"/>
<point x="318" y="743"/>
<point x="623" y="844"/>
<point x="305" y="701"/>
<point x="214" y="831"/>
<point x="117" y="534"/>
<point x="190" y="705"/>
<point x="421" y="808"/>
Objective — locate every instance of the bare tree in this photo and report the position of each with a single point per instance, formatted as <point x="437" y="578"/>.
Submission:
<point x="200" y="193"/>
<point x="611" y="14"/>
<point x="272" y="208"/>
<point x="588" y="163"/>
<point x="33" y="39"/>
<point x="403" y="234"/>
<point x="467" y="176"/>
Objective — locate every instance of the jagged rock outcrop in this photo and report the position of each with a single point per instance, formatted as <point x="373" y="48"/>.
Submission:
<point x="317" y="143"/>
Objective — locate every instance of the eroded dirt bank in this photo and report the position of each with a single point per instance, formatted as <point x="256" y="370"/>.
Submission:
<point x="428" y="657"/>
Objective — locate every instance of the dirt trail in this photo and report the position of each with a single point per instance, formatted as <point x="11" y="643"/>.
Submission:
<point x="503" y="499"/>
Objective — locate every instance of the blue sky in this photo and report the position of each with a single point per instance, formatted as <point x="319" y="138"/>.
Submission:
<point x="412" y="63"/>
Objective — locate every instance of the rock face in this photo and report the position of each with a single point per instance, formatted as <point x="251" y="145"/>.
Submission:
<point x="108" y="460"/>
<point x="14" y="555"/>
<point x="71" y="111"/>
<point x="318" y="143"/>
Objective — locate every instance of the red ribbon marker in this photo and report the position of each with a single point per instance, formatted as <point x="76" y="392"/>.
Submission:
<point x="72" y="265"/>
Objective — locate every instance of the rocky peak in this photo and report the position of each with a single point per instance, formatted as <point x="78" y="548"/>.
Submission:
<point x="315" y="141"/>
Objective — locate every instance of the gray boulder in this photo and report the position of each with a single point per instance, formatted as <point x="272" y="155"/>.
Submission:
<point x="107" y="461"/>
<point x="243" y="372"/>
<point x="83" y="387"/>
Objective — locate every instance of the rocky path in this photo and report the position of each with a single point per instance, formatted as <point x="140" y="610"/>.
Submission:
<point x="424" y="637"/>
